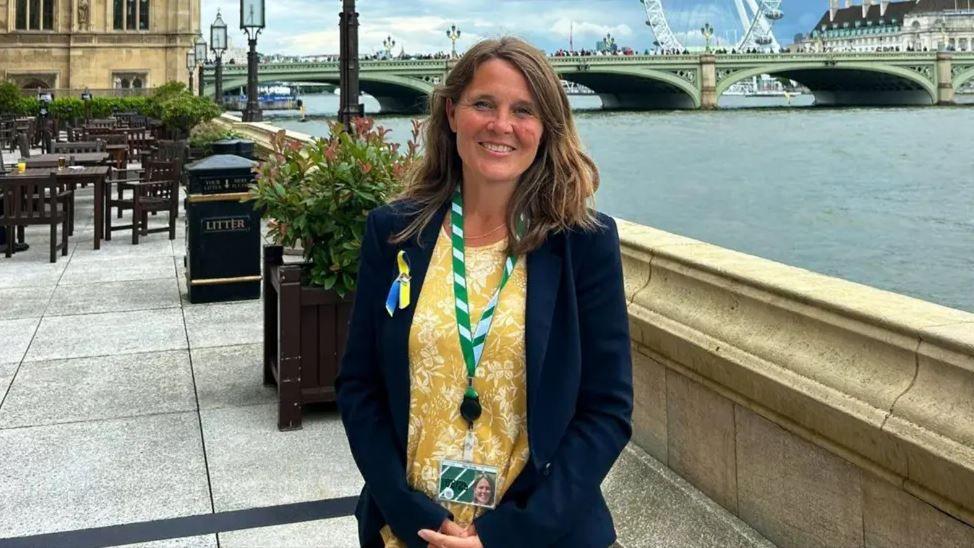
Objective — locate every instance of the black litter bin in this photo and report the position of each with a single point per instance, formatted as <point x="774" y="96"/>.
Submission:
<point x="239" y="147"/>
<point x="222" y="234"/>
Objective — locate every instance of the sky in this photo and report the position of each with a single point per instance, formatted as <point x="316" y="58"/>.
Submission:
<point x="308" y="27"/>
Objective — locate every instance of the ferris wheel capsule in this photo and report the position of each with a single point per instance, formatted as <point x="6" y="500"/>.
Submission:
<point x="763" y="40"/>
<point x="774" y="15"/>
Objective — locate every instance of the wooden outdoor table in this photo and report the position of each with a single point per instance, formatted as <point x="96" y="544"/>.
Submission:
<point x="95" y="175"/>
<point x="80" y="158"/>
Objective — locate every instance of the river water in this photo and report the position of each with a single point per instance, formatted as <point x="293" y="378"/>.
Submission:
<point x="879" y="196"/>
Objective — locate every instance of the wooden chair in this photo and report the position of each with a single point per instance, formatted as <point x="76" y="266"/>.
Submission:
<point x="171" y="151"/>
<point x="35" y="200"/>
<point x="103" y="123"/>
<point x="79" y="147"/>
<point x="152" y="189"/>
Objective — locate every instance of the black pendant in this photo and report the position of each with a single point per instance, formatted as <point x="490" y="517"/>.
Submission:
<point x="470" y="409"/>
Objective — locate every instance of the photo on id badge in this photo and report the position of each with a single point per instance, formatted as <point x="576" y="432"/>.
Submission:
<point x="467" y="483"/>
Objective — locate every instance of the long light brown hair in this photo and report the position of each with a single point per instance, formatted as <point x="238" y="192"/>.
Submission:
<point x="554" y="193"/>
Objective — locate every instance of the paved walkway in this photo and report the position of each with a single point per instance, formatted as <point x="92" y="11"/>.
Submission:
<point x="121" y="402"/>
<point x="128" y="413"/>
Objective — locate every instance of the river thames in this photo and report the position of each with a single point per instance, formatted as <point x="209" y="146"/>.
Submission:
<point x="879" y="196"/>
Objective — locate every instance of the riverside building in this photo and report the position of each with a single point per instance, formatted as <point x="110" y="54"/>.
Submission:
<point x="71" y="45"/>
<point x="910" y="25"/>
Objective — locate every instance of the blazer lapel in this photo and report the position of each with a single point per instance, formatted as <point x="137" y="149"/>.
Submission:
<point x="399" y="324"/>
<point x="544" y="276"/>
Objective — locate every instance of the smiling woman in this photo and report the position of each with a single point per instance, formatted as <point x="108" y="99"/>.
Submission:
<point x="434" y="395"/>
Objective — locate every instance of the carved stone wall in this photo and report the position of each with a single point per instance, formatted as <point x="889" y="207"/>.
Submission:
<point x="76" y="57"/>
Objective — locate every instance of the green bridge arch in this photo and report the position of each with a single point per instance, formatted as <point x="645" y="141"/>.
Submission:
<point x="963" y="77"/>
<point x="394" y="93"/>
<point x="636" y="87"/>
<point x="790" y="71"/>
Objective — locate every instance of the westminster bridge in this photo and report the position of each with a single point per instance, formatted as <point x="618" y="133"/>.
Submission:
<point x="666" y="81"/>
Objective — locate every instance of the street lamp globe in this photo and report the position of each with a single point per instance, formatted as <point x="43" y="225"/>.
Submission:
<point x="218" y="35"/>
<point x="199" y="48"/>
<point x="252" y="15"/>
<point x="190" y="60"/>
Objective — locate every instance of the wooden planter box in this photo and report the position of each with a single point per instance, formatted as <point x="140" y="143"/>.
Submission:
<point x="304" y="338"/>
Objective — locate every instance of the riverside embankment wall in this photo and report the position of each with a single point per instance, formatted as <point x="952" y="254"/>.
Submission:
<point x="820" y="411"/>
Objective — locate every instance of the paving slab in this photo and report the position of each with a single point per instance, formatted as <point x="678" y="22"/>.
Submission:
<point x="229" y="376"/>
<point x="16" y="336"/>
<point x="39" y="273"/>
<point x="84" y="389"/>
<point x="253" y="465"/>
<point x="62" y="337"/>
<point x="114" y="297"/>
<point x="24" y="302"/>
<point x="121" y="246"/>
<point x="333" y="533"/>
<point x="94" y="474"/>
<point x="7" y="371"/>
<point x="118" y="270"/>
<point x="205" y="541"/>
<point x="652" y="506"/>
<point x="225" y="324"/>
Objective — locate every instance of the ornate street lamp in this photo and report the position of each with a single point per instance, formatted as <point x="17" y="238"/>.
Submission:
<point x="453" y="33"/>
<point x="199" y="47"/>
<point x="608" y="43"/>
<point x="190" y="66"/>
<point x="252" y="22"/>
<point x="388" y="44"/>
<point x="218" y="44"/>
<point x="708" y="32"/>
<point x="349" y="108"/>
<point x="86" y="99"/>
<point x="45" y="98"/>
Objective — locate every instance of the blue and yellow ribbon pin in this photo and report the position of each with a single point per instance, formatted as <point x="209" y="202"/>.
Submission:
<point x="399" y="291"/>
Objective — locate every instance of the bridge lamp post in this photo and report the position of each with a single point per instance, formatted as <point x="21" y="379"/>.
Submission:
<point x="608" y="43"/>
<point x="190" y="67"/>
<point x="200" y="49"/>
<point x="252" y="22"/>
<point x="388" y="44"/>
<point x="708" y="32"/>
<point x="453" y="33"/>
<point x="218" y="44"/>
<point x="349" y="107"/>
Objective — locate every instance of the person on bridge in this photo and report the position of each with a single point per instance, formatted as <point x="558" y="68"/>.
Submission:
<point x="501" y="347"/>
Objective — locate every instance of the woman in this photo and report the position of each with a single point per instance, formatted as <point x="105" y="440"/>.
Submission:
<point x="489" y="332"/>
<point x="483" y="491"/>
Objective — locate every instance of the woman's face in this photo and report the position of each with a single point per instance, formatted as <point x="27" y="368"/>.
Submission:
<point x="497" y="124"/>
<point x="481" y="492"/>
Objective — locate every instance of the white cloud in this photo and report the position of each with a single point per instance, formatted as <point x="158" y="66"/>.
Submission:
<point x="311" y="26"/>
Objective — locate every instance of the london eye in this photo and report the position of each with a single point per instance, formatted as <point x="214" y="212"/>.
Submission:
<point x="742" y="25"/>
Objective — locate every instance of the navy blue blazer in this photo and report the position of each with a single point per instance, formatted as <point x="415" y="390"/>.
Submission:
<point x="579" y="384"/>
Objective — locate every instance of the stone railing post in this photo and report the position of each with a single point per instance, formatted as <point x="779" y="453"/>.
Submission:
<point x="708" y="81"/>
<point x="945" y="85"/>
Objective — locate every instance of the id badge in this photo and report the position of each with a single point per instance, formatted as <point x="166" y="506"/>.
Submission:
<point x="463" y="482"/>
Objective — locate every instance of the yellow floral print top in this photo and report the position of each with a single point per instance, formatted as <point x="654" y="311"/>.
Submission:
<point x="438" y="375"/>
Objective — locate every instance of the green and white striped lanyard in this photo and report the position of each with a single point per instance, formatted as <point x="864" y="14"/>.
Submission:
<point x="471" y="341"/>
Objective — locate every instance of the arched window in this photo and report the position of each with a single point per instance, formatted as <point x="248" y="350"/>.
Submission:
<point x="35" y="14"/>
<point x="131" y="14"/>
<point x="137" y="83"/>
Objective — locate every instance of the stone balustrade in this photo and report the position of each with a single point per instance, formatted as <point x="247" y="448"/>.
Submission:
<point x="820" y="411"/>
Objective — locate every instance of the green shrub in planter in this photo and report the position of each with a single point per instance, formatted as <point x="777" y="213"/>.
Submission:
<point x="206" y="133"/>
<point x="320" y="193"/>
<point x="183" y="112"/>
<point x="10" y="98"/>
<point x="66" y="109"/>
